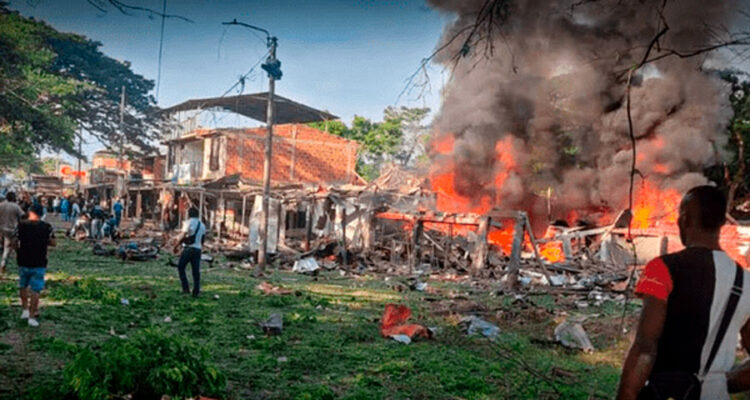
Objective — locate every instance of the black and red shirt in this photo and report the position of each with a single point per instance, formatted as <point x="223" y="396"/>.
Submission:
<point x="695" y="283"/>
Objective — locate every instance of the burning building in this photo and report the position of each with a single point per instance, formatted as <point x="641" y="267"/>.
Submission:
<point x="536" y="115"/>
<point x="544" y="115"/>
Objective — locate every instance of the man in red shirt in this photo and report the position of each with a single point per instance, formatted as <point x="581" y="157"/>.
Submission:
<point x="679" y="346"/>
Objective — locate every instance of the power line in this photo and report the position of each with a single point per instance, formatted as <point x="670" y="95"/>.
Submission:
<point x="161" y="46"/>
<point x="240" y="80"/>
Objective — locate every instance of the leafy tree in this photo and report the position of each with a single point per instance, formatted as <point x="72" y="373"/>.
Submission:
<point x="732" y="175"/>
<point x="51" y="83"/>
<point x="398" y="138"/>
<point x="415" y="135"/>
<point x="335" y="127"/>
<point x="33" y="111"/>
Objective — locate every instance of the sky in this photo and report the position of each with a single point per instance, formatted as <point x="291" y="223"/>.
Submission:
<point x="348" y="57"/>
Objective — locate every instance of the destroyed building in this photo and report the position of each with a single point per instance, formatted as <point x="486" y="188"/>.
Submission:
<point x="300" y="154"/>
<point x="220" y="170"/>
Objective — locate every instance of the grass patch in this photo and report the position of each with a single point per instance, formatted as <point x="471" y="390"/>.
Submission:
<point x="330" y="347"/>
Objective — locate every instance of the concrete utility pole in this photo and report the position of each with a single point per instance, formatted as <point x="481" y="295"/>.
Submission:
<point x="122" y="139"/>
<point x="267" y="162"/>
<point x="78" y="167"/>
<point x="273" y="67"/>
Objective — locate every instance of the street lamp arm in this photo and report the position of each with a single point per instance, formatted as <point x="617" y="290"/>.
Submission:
<point x="235" y="22"/>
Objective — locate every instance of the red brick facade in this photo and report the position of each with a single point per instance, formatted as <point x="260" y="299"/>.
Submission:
<point x="300" y="154"/>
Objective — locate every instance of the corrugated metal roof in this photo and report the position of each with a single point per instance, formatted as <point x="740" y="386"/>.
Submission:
<point x="255" y="105"/>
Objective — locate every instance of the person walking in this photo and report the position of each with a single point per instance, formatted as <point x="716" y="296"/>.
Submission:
<point x="75" y="210"/>
<point x="34" y="236"/>
<point x="193" y="233"/>
<point x="65" y="209"/>
<point x="117" y="208"/>
<point x="10" y="215"/>
<point x="693" y="311"/>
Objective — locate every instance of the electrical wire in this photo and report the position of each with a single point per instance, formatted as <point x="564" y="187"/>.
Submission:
<point x="161" y="46"/>
<point x="240" y="81"/>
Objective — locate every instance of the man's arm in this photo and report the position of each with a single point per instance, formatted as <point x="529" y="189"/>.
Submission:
<point x="642" y="354"/>
<point x="51" y="236"/>
<point x="738" y="379"/>
<point x="183" y="233"/>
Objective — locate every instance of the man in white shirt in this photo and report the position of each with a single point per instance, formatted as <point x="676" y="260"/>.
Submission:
<point x="193" y="232"/>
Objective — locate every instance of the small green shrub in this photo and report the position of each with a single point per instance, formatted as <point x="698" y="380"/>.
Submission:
<point x="84" y="289"/>
<point x="147" y="366"/>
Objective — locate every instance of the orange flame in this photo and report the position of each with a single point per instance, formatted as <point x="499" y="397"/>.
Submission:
<point x="654" y="206"/>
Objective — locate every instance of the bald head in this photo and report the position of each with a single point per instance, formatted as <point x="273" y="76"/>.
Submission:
<point x="704" y="207"/>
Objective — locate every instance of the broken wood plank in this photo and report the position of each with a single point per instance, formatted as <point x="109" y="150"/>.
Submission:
<point x="481" y="248"/>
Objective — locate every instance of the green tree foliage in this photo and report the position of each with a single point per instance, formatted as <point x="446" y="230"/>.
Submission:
<point x="398" y="138"/>
<point x="733" y="174"/>
<point x="51" y="83"/>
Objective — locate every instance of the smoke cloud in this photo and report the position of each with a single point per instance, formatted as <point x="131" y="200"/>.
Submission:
<point x="550" y="98"/>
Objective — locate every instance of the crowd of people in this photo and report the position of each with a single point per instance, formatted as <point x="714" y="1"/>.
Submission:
<point x="24" y="228"/>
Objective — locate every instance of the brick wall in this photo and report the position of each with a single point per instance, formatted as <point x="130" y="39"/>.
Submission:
<point x="300" y="154"/>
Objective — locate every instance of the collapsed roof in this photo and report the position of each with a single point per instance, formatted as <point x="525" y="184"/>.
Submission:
<point x="255" y="106"/>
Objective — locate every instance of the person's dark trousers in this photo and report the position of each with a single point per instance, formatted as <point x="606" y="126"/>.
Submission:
<point x="118" y="217"/>
<point x="193" y="256"/>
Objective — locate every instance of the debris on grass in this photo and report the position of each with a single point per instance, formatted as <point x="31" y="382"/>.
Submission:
<point x="124" y="301"/>
<point x="269" y="289"/>
<point x="273" y="325"/>
<point x="306" y="266"/>
<point x="394" y="323"/>
<point x="572" y="335"/>
<point x="473" y="325"/>
<point x="401" y="338"/>
<point x="167" y="319"/>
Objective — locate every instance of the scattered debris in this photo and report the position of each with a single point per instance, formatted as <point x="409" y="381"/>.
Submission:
<point x="238" y="254"/>
<point x="135" y="251"/>
<point x="306" y="266"/>
<point x="282" y="359"/>
<point x="124" y="301"/>
<point x="100" y="250"/>
<point x="269" y="289"/>
<point x="167" y="319"/>
<point x="394" y="323"/>
<point x="473" y="325"/>
<point x="401" y="338"/>
<point x="273" y="325"/>
<point x="572" y="335"/>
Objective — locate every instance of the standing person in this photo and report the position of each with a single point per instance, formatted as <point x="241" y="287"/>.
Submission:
<point x="25" y="202"/>
<point x="10" y="214"/>
<point x="193" y="233"/>
<point x="65" y="209"/>
<point x="34" y="235"/>
<point x="117" y="208"/>
<point x="55" y="205"/>
<point x="693" y="311"/>
<point x="97" y="221"/>
<point x="75" y="210"/>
